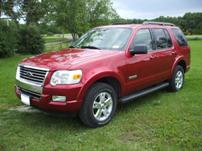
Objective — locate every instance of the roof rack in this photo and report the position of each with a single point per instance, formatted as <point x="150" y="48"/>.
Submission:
<point x="158" y="23"/>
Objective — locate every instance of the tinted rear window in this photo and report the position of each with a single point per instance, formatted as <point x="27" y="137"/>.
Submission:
<point x="181" y="40"/>
<point x="161" y="38"/>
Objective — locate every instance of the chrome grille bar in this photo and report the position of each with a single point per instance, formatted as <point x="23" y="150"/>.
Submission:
<point x="33" y="75"/>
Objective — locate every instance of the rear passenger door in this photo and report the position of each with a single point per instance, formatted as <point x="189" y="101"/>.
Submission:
<point x="163" y="55"/>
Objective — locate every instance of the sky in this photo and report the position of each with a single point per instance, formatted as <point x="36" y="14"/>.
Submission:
<point x="149" y="9"/>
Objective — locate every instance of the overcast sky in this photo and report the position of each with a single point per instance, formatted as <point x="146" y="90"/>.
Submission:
<point x="149" y="9"/>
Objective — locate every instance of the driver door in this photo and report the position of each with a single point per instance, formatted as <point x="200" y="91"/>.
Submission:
<point x="141" y="67"/>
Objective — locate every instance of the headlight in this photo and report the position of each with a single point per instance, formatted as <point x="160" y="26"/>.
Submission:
<point x="66" y="77"/>
<point x="18" y="73"/>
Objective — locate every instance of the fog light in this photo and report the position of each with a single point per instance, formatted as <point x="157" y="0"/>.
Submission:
<point x="59" y="98"/>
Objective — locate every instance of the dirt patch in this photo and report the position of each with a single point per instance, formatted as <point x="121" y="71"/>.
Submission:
<point x="29" y="109"/>
<point x="129" y="137"/>
<point x="24" y="108"/>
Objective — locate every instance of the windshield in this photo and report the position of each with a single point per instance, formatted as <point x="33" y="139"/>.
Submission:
<point x="104" y="38"/>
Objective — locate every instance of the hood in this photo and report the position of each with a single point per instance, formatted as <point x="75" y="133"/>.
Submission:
<point x="65" y="58"/>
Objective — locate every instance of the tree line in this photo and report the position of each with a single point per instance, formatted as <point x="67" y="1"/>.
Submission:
<point x="22" y="22"/>
<point x="190" y="23"/>
<point x="78" y="16"/>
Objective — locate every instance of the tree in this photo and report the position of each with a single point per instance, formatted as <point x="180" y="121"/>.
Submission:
<point x="100" y="12"/>
<point x="34" y="10"/>
<point x="12" y="8"/>
<point x="1" y="7"/>
<point x="78" y="16"/>
<point x="70" y="15"/>
<point x="31" y="11"/>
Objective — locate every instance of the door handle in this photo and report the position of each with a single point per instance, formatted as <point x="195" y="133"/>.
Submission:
<point x="173" y="53"/>
<point x="152" y="57"/>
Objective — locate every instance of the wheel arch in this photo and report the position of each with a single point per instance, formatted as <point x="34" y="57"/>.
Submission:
<point x="112" y="81"/>
<point x="180" y="61"/>
<point x="183" y="64"/>
<point x="110" y="78"/>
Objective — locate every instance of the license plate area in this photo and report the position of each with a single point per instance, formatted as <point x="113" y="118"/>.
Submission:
<point x="25" y="99"/>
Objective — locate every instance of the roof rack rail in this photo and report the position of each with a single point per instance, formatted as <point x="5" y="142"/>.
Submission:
<point x="158" y="23"/>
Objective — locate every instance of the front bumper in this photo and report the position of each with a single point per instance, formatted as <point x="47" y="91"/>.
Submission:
<point x="41" y="96"/>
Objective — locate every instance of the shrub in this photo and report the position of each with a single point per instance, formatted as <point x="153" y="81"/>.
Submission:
<point x="30" y="40"/>
<point x="8" y="39"/>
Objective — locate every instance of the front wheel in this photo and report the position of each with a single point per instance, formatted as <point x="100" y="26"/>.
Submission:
<point x="99" y="105"/>
<point x="177" y="80"/>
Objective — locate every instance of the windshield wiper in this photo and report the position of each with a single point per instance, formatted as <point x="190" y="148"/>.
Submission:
<point x="90" y="47"/>
<point x="72" y="46"/>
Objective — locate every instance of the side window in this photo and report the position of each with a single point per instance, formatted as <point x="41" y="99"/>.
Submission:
<point x="162" y="38"/>
<point x="143" y="37"/>
<point x="181" y="40"/>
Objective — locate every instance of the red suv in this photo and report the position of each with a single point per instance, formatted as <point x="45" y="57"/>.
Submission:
<point x="107" y="65"/>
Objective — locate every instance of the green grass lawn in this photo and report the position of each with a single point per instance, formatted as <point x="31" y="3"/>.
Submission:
<point x="161" y="121"/>
<point x="53" y="39"/>
<point x="53" y="47"/>
<point x="194" y="37"/>
<point x="56" y="38"/>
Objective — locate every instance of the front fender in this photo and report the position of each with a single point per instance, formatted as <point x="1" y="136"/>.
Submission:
<point x="97" y="76"/>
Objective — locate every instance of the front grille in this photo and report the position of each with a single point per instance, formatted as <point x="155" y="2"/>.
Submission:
<point x="33" y="75"/>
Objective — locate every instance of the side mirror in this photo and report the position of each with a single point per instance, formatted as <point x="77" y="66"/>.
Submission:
<point x="139" y="49"/>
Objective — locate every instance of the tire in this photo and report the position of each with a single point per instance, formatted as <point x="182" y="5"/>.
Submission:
<point x="99" y="105"/>
<point x="177" y="80"/>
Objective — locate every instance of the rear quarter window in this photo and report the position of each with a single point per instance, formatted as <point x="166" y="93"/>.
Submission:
<point x="181" y="40"/>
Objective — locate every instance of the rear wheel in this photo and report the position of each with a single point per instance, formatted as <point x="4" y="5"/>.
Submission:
<point x="99" y="105"/>
<point x="177" y="80"/>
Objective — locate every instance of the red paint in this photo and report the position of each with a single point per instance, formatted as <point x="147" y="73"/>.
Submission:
<point x="151" y="68"/>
